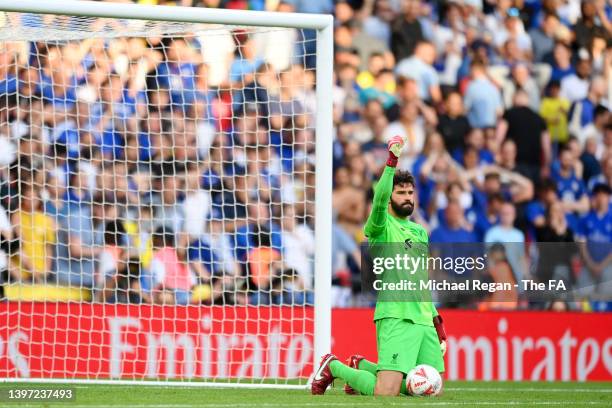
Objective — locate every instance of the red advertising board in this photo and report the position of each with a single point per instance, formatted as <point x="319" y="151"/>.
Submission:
<point x="537" y="346"/>
<point x="121" y="341"/>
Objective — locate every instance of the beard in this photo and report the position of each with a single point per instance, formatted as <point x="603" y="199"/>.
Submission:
<point x="402" y="210"/>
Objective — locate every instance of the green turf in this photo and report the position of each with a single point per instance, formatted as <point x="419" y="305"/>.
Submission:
<point x="464" y="394"/>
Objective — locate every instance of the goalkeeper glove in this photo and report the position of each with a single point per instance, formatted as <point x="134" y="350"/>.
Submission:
<point x="395" y="146"/>
<point x="439" y="325"/>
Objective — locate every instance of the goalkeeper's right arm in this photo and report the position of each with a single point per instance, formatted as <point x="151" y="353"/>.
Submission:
<point x="383" y="190"/>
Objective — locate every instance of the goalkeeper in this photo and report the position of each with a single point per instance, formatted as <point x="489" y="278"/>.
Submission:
<point x="408" y="333"/>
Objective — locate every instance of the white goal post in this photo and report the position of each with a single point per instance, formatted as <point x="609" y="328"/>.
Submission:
<point x="323" y="138"/>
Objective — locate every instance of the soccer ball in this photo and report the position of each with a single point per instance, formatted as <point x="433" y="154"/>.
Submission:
<point x="423" y="380"/>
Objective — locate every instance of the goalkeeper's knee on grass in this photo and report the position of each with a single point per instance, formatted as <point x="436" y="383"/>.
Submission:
<point x="362" y="366"/>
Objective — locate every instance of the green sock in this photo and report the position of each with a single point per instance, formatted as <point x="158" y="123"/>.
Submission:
<point x="370" y="367"/>
<point x="361" y="381"/>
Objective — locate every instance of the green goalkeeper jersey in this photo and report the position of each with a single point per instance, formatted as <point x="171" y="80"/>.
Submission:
<point x="384" y="228"/>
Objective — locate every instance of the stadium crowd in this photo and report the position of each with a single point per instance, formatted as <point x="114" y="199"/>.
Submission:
<point x="181" y="169"/>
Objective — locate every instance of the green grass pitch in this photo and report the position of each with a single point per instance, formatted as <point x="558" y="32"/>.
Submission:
<point x="456" y="394"/>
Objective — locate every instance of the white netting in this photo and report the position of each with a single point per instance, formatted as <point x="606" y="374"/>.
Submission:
<point x="146" y="166"/>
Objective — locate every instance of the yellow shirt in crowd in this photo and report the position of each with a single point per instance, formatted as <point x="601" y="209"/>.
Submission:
<point x="554" y="111"/>
<point x="36" y="231"/>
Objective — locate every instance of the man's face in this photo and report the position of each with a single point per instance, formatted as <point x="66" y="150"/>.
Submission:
<point x="402" y="199"/>
<point x="566" y="160"/>
<point x="507" y="214"/>
<point x="601" y="201"/>
<point x="454" y="104"/>
<point x="495" y="206"/>
<point x="492" y="185"/>
<point x="409" y="90"/>
<point x="453" y="214"/>
<point x="583" y="69"/>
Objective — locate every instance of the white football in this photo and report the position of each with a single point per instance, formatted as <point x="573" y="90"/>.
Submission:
<point x="423" y="380"/>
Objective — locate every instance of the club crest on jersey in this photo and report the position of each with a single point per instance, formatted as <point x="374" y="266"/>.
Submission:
<point x="407" y="244"/>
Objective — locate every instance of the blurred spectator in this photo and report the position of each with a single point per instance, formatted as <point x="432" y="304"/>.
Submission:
<point x="349" y="202"/>
<point x="171" y="271"/>
<point x="383" y="82"/>
<point x="536" y="210"/>
<point x="513" y="30"/>
<point x="560" y="62"/>
<point x="36" y="232"/>
<point x="543" y="37"/>
<point x="407" y="91"/>
<point x="264" y="266"/>
<point x="595" y="232"/>
<point x="593" y="22"/>
<point x="511" y="238"/>
<point x="245" y="237"/>
<point x="570" y="188"/>
<point x="376" y="62"/>
<point x="76" y="249"/>
<point x="298" y="248"/>
<point x="365" y="44"/>
<point x="488" y="217"/>
<point x="582" y="111"/>
<point x="246" y="60"/>
<point x="595" y="130"/>
<point x="168" y="208"/>
<point x="500" y="271"/>
<point x="406" y="30"/>
<point x="196" y="205"/>
<point x="512" y="186"/>
<point x="346" y="263"/>
<point x="521" y="124"/>
<point x="555" y="246"/>
<point x="483" y="101"/>
<point x="521" y="80"/>
<point x="575" y="86"/>
<point x="455" y="228"/>
<point x="554" y="110"/>
<point x="419" y="67"/>
<point x="118" y="279"/>
<point x="378" y="23"/>
<point x="411" y="126"/>
<point x="605" y="177"/>
<point x="453" y="124"/>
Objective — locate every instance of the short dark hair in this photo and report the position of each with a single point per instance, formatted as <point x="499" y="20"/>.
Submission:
<point x="547" y="185"/>
<point x="565" y="147"/>
<point x="600" y="110"/>
<point x="163" y="236"/>
<point x="496" y="197"/>
<point x="403" y="177"/>
<point x="602" y="188"/>
<point x="492" y="176"/>
<point x="114" y="233"/>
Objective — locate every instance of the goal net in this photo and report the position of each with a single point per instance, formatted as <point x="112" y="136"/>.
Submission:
<point x="160" y="172"/>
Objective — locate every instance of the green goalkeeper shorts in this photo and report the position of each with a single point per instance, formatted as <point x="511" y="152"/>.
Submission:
<point x="402" y="345"/>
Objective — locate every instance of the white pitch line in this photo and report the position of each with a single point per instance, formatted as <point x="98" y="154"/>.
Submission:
<point x="532" y="389"/>
<point x="516" y="387"/>
<point x="404" y="402"/>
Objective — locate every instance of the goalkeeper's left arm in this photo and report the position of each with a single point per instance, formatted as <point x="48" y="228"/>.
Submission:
<point x="441" y="331"/>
